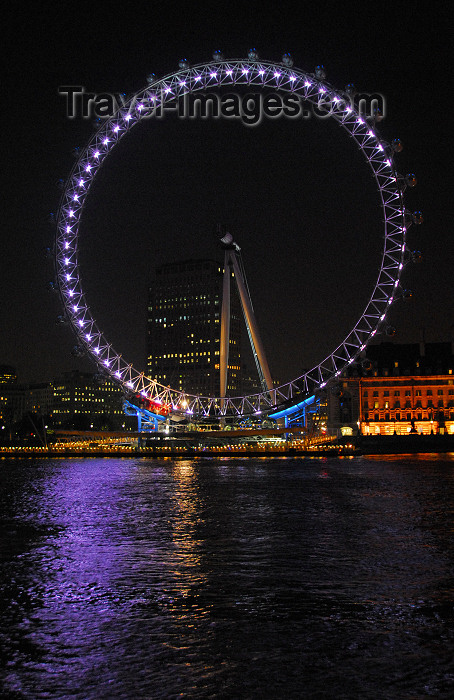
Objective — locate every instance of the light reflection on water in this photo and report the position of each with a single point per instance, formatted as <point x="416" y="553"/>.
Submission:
<point x="228" y="578"/>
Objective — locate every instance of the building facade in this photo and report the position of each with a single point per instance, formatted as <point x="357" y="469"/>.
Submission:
<point x="74" y="398"/>
<point x="77" y="394"/>
<point x="183" y="340"/>
<point x="399" y="389"/>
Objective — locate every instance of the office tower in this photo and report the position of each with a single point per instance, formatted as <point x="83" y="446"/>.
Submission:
<point x="183" y="341"/>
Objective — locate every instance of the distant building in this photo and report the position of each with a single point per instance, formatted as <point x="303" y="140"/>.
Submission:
<point x="184" y="328"/>
<point x="65" y="400"/>
<point x="7" y="374"/>
<point x="398" y="389"/>
<point x="78" y="394"/>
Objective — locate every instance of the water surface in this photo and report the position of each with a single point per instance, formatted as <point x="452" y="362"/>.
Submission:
<point x="227" y="578"/>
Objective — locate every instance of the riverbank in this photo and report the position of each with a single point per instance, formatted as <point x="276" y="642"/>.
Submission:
<point x="403" y="444"/>
<point x="178" y="452"/>
<point x="350" y="447"/>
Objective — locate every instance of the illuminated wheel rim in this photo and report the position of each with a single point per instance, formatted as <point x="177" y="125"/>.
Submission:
<point x="211" y="76"/>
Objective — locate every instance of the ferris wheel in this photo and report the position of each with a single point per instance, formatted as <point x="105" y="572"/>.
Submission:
<point x="215" y="75"/>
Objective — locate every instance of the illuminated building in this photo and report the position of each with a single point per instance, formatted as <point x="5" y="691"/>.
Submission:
<point x="184" y="328"/>
<point x="7" y="374"/>
<point x="76" y="393"/>
<point x="399" y="389"/>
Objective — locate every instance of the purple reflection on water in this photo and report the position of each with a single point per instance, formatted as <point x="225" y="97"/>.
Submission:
<point x="130" y="578"/>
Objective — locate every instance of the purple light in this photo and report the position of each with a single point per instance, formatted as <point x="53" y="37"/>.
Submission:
<point x="106" y="141"/>
<point x="307" y="83"/>
<point x="68" y="278"/>
<point x="139" y="107"/>
<point x="388" y="162"/>
<point x="213" y="75"/>
<point x="88" y="168"/>
<point x="128" y="117"/>
<point x="75" y="308"/>
<point x="66" y="261"/>
<point x="107" y="363"/>
<point x="261" y="72"/>
<point x="76" y="197"/>
<point x="81" y="324"/>
<point x="118" y="375"/>
<point x="182" y="83"/>
<point x="81" y="183"/>
<point x="277" y="75"/>
<point x="245" y="71"/>
<point x="229" y="72"/>
<point x="66" y="245"/>
<point x="68" y="229"/>
<point x="116" y="128"/>
<point x="293" y="78"/>
<point x="97" y="350"/>
<point x="71" y="293"/>
<point x="96" y="154"/>
<point x="71" y="214"/>
<point x="88" y="336"/>
<point x="197" y="78"/>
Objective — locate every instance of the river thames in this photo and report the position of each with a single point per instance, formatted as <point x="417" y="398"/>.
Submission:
<point x="227" y="578"/>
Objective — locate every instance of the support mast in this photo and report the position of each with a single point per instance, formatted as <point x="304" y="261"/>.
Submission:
<point x="232" y="261"/>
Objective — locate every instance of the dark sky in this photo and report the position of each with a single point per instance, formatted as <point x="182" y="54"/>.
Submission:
<point x="297" y="196"/>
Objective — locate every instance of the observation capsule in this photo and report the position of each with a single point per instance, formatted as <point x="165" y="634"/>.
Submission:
<point x="350" y="89"/>
<point x="218" y="55"/>
<point x="416" y="256"/>
<point x="252" y="55"/>
<point x="77" y="351"/>
<point x="417" y="217"/>
<point x="287" y="60"/>
<point x="397" y="146"/>
<point x="377" y="114"/>
<point x="183" y="63"/>
<point x="366" y="364"/>
<point x="407" y="294"/>
<point x="320" y="72"/>
<point x="411" y="180"/>
<point x="151" y="77"/>
<point x="99" y="378"/>
<point x="390" y="331"/>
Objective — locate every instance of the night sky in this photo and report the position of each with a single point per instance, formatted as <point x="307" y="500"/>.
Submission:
<point x="297" y="196"/>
